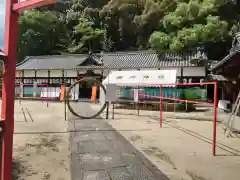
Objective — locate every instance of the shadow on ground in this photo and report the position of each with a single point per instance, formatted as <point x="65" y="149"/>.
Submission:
<point x="17" y="168"/>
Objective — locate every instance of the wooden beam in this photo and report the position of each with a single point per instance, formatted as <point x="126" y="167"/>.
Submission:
<point x="30" y="4"/>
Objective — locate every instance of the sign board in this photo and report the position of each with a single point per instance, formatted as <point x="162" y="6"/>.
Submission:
<point x="111" y="92"/>
<point x="142" y="77"/>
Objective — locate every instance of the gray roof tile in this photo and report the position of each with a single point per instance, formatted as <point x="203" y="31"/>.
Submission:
<point x="54" y="62"/>
<point x="130" y="60"/>
<point x="148" y="60"/>
<point x="119" y="60"/>
<point x="235" y="50"/>
<point x="215" y="77"/>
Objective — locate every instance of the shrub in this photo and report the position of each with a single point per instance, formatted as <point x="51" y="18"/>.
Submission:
<point x="188" y="94"/>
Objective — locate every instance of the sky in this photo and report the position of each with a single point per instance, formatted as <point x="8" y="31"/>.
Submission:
<point x="2" y="19"/>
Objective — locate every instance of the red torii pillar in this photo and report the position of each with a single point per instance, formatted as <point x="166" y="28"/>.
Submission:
<point x="13" y="8"/>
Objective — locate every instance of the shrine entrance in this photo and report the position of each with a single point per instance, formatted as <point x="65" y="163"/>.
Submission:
<point x="86" y="87"/>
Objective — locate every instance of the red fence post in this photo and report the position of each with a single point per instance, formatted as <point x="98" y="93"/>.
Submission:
<point x="8" y="80"/>
<point x="214" y="119"/>
<point x="161" y="106"/>
<point x="8" y="88"/>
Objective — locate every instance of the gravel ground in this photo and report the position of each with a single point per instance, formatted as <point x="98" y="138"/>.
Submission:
<point x="41" y="142"/>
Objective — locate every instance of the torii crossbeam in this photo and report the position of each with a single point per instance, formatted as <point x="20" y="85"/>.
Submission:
<point x="13" y="8"/>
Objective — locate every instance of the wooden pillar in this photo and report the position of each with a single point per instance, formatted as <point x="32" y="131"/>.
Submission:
<point x="62" y="76"/>
<point x="22" y="85"/>
<point x="22" y="79"/>
<point x="181" y="77"/>
<point x="49" y="75"/>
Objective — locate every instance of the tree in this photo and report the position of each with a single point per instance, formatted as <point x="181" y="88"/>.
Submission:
<point x="194" y="23"/>
<point x="86" y="38"/>
<point x="160" y="41"/>
<point x="150" y="18"/>
<point x="41" y="33"/>
<point x="116" y="25"/>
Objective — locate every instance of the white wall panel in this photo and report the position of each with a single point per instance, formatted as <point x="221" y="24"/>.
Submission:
<point x="70" y="73"/>
<point x="178" y="70"/>
<point x="55" y="73"/>
<point x="42" y="73"/>
<point x="194" y="71"/>
<point x="19" y="74"/>
<point x="29" y="73"/>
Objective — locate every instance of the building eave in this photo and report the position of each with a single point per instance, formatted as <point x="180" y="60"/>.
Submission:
<point x="223" y="61"/>
<point x="234" y="51"/>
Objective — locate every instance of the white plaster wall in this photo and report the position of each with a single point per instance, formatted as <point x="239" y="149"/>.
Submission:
<point x="178" y="70"/>
<point x="106" y="72"/>
<point x="18" y="73"/>
<point x="29" y="73"/>
<point x="70" y="73"/>
<point x="194" y="71"/>
<point x="55" y="73"/>
<point x="42" y="73"/>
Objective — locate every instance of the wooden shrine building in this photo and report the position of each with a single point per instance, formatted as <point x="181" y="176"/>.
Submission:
<point x="52" y="71"/>
<point x="47" y="73"/>
<point x="227" y="72"/>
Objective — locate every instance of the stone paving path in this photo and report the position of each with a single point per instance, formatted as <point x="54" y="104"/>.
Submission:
<point x="99" y="152"/>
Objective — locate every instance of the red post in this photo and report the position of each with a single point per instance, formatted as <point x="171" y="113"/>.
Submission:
<point x="30" y="4"/>
<point x="8" y="88"/>
<point x="214" y="120"/>
<point x="8" y="80"/>
<point x="161" y="107"/>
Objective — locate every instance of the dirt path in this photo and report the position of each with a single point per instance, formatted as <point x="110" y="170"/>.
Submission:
<point x="98" y="152"/>
<point x="182" y="148"/>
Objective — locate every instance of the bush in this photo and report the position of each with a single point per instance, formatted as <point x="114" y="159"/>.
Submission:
<point x="188" y="94"/>
<point x="192" y="94"/>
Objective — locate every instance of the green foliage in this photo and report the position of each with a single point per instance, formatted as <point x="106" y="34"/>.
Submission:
<point x="129" y="25"/>
<point x="84" y="37"/>
<point x="41" y="33"/>
<point x="189" y="94"/>
<point x="192" y="94"/>
<point x="193" y="24"/>
<point x="160" y="41"/>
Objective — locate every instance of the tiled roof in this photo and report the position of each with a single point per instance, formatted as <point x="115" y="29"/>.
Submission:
<point x="216" y="77"/>
<point x="130" y="60"/>
<point x="118" y="60"/>
<point x="54" y="62"/>
<point x="134" y="60"/>
<point x="232" y="53"/>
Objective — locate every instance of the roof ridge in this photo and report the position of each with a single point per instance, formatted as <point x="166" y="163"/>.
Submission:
<point x="129" y="53"/>
<point x="22" y="62"/>
<point x="59" y="55"/>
